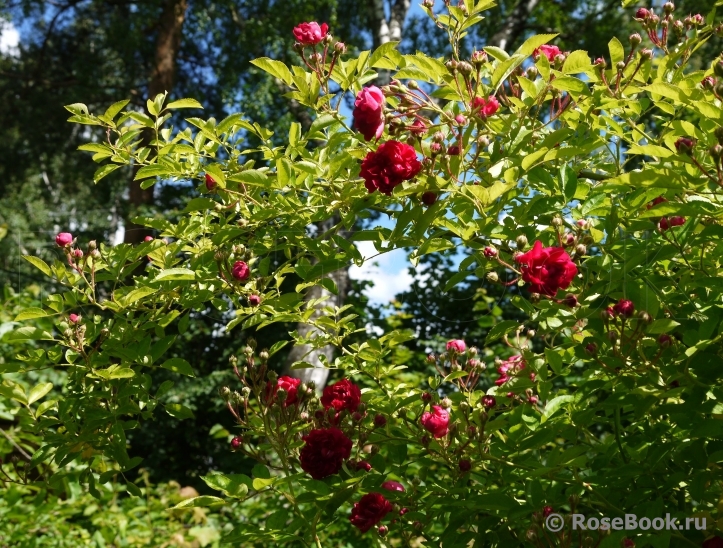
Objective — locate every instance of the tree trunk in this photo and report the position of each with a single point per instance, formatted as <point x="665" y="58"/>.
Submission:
<point x="514" y="24"/>
<point x="170" y="27"/>
<point x="388" y="29"/>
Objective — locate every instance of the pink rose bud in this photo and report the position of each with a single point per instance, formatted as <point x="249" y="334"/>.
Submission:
<point x="642" y="14"/>
<point x="435" y="148"/>
<point x="74" y="318"/>
<point x="426" y="397"/>
<point x="380" y="420"/>
<point x="697" y="20"/>
<point x="490" y="252"/>
<point x="393" y="486"/>
<point x="677" y="220"/>
<point x="533" y="376"/>
<point x="148" y="239"/>
<point x="240" y="271"/>
<point x="489" y="402"/>
<point x="465" y="465"/>
<point x="658" y="200"/>
<point x="309" y="34"/>
<point x="457" y="346"/>
<point x="479" y="57"/>
<point x="532" y="400"/>
<point x="236" y="443"/>
<point x="403" y="511"/>
<point x="548" y="51"/>
<point x="340" y="47"/>
<point x="436" y="422"/>
<point x="210" y="182"/>
<point x="591" y="348"/>
<point x="254" y="300"/>
<point x="383" y="530"/>
<point x="454" y="150"/>
<point x="461" y="119"/>
<point x="546" y="511"/>
<point x="64" y="239"/>
<point x="77" y="253"/>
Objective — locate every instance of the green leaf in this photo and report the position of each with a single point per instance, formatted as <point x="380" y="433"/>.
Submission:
<point x="204" y="501"/>
<point x="179" y="411"/>
<point x="381" y="52"/>
<point x="178" y="365"/>
<point x="184" y="103"/>
<point x="114" y="109"/>
<point x="176" y="274"/>
<point x="502" y="328"/>
<point x="29" y="333"/>
<point x="30" y="314"/>
<point x="103" y="171"/>
<point x="234" y="485"/>
<point x="154" y="170"/>
<point x="578" y="61"/>
<point x="504" y="69"/>
<point x="617" y="51"/>
<point x="38" y="263"/>
<point x="274" y="68"/>
<point x="662" y="326"/>
<point x="39" y="391"/>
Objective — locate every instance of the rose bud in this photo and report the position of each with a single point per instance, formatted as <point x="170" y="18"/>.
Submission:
<point x="591" y="348"/>
<point x="428" y="198"/>
<point x="452" y="65"/>
<point x="426" y="397"/>
<point x="489" y="402"/>
<point x="532" y="400"/>
<point x="236" y="443"/>
<point x="435" y="148"/>
<point x="521" y="241"/>
<point x="77" y="253"/>
<point x="624" y="308"/>
<point x="684" y="145"/>
<point x="240" y="271"/>
<point x="383" y="530"/>
<point x="646" y="53"/>
<point x="569" y="239"/>
<point x="340" y="47"/>
<point x="461" y="120"/>
<point x="64" y="239"/>
<point x="457" y="346"/>
<point x="570" y="300"/>
<point x="148" y="239"/>
<point x="644" y="316"/>
<point x="393" y="486"/>
<point x="479" y="58"/>
<point x="465" y="465"/>
<point x="612" y="336"/>
<point x="254" y="300"/>
<point x="454" y="150"/>
<point x="642" y="14"/>
<point x="668" y="8"/>
<point x="635" y="39"/>
<point x="431" y="358"/>
<point x="465" y="68"/>
<point x="446" y="403"/>
<point x="380" y="420"/>
<point x="210" y="182"/>
<point x="665" y="341"/>
<point x="490" y="252"/>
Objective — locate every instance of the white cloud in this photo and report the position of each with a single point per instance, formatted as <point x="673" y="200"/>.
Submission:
<point x="9" y="38"/>
<point x="390" y="275"/>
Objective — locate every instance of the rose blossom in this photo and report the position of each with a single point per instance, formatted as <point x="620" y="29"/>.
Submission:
<point x="324" y="452"/>
<point x="546" y="269"/>
<point x="385" y="168"/>
<point x="310" y="34"/>
<point x="369" y="511"/>
<point x="393" y="486"/>
<point x="486" y="107"/>
<point x="548" y="51"/>
<point x="240" y="271"/>
<point x="457" y="346"/>
<point x="342" y="395"/>
<point x="64" y="239"/>
<point x="369" y="112"/>
<point x="509" y="367"/>
<point x="289" y="384"/>
<point x="436" y="421"/>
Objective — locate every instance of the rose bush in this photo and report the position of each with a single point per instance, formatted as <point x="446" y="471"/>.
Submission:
<point x="604" y="401"/>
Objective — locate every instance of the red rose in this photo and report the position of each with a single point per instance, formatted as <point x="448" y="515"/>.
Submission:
<point x="546" y="269"/>
<point x="436" y="421"/>
<point x="369" y="511"/>
<point x="309" y="34"/>
<point x="324" y="452"/>
<point x="64" y="239"/>
<point x="487" y="107"/>
<point x="289" y="384"/>
<point x="489" y="402"/>
<point x="240" y="270"/>
<point x="342" y="395"/>
<point x="369" y="112"/>
<point x="393" y="486"/>
<point x="715" y="542"/>
<point x="624" y="308"/>
<point x="548" y="51"/>
<point x="392" y="163"/>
